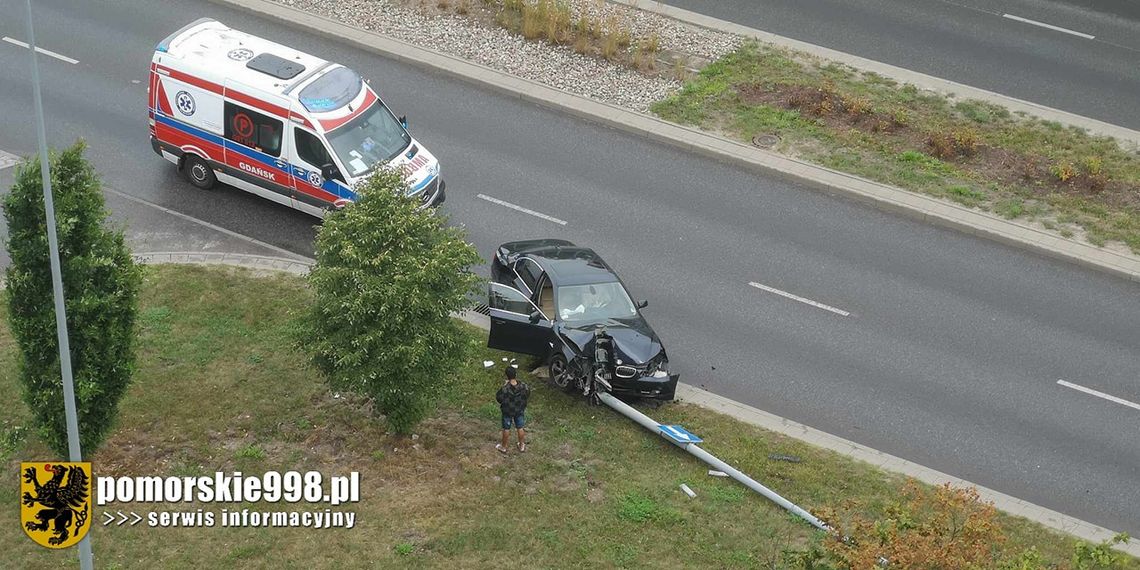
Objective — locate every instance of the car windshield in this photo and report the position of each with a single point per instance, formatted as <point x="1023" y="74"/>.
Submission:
<point x="375" y="137"/>
<point x="596" y="302"/>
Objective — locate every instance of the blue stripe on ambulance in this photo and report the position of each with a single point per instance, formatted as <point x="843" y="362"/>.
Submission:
<point x="279" y="164"/>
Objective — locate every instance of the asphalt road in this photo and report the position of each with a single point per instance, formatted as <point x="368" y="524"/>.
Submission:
<point x="949" y="356"/>
<point x="973" y="42"/>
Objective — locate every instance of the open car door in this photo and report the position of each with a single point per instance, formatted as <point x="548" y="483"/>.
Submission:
<point x="517" y="324"/>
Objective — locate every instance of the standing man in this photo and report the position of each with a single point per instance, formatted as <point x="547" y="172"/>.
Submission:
<point x="512" y="398"/>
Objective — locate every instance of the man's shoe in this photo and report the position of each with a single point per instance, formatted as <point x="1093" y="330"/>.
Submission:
<point x="500" y="447"/>
<point x="522" y="448"/>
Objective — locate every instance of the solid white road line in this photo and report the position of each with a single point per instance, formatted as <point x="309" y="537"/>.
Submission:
<point x="204" y="223"/>
<point x="41" y="50"/>
<point x="521" y="209"/>
<point x="1049" y="26"/>
<point x="839" y="312"/>
<point x="1080" y="388"/>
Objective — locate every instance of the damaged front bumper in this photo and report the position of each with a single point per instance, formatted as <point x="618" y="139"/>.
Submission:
<point x="647" y="386"/>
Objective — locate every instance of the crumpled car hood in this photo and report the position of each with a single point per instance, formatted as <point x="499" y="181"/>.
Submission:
<point x="635" y="341"/>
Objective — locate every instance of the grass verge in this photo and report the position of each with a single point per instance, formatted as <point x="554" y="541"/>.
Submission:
<point x="219" y="389"/>
<point x="974" y="153"/>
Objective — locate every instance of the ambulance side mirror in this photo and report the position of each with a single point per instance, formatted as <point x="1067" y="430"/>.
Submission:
<point x="404" y="121"/>
<point x="330" y="172"/>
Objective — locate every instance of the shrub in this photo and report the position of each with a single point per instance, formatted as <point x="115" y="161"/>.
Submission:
<point x="101" y="285"/>
<point x="533" y="21"/>
<point x="943" y="528"/>
<point x="680" y="69"/>
<point x="900" y="117"/>
<point x="953" y="144"/>
<point x="857" y="105"/>
<point x="1063" y="171"/>
<point x="388" y="277"/>
<point x="1093" y="165"/>
<point x="652" y="44"/>
<point x="965" y="142"/>
<point x="610" y="46"/>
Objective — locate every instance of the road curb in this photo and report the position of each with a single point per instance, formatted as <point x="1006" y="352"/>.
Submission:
<point x="771" y="422"/>
<point x="248" y="261"/>
<point x="881" y="196"/>
<point x="742" y="412"/>
<point x="903" y="75"/>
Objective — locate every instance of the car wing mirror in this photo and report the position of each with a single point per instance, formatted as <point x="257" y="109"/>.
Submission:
<point x="535" y="317"/>
<point x="329" y="171"/>
<point x="642" y="304"/>
<point x="404" y="121"/>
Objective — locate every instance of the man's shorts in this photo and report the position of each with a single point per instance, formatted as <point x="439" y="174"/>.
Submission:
<point x="519" y="421"/>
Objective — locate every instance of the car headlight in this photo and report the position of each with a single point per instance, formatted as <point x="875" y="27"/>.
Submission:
<point x="658" y="366"/>
<point x="433" y="170"/>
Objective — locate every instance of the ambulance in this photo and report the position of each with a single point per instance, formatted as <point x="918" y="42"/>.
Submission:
<point x="226" y="106"/>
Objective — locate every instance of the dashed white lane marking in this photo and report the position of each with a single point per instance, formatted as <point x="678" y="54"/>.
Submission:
<point x="803" y="300"/>
<point x="1080" y="388"/>
<point x="521" y="209"/>
<point x="8" y="160"/>
<point x="41" y="50"/>
<point x="1048" y="26"/>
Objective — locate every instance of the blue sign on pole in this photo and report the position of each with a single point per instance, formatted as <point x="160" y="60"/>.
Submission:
<point x="679" y="434"/>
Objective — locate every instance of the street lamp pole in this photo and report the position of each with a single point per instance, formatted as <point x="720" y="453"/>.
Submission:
<point x="86" y="561"/>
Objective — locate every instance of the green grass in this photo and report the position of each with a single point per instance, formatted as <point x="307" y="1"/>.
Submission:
<point x="594" y="490"/>
<point x="719" y="99"/>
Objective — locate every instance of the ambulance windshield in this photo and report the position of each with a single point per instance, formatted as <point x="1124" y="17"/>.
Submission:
<point x="374" y="137"/>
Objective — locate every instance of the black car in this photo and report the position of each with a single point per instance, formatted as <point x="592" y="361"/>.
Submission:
<point x="548" y="297"/>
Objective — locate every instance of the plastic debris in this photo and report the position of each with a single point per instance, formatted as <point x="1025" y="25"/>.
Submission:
<point x="716" y="473"/>
<point x="488" y="363"/>
<point x="688" y="491"/>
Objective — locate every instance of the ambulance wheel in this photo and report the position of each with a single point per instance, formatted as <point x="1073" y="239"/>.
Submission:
<point x="199" y="173"/>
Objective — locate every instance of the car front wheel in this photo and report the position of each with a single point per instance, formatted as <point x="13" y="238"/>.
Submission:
<point x="561" y="373"/>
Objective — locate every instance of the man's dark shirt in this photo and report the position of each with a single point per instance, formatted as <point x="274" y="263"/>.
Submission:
<point x="512" y="399"/>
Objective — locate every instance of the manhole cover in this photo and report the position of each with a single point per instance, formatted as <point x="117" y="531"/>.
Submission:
<point x="765" y="140"/>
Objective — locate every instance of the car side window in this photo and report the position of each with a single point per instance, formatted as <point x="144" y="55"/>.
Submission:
<point x="529" y="272"/>
<point x="506" y="298"/>
<point x="255" y="130"/>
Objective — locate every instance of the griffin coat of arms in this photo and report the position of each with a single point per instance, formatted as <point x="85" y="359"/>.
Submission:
<point x="55" y="512"/>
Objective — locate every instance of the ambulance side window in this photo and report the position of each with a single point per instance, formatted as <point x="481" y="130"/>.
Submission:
<point x="255" y="130"/>
<point x="312" y="150"/>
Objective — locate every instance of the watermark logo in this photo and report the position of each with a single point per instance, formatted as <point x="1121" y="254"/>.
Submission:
<point x="55" y="502"/>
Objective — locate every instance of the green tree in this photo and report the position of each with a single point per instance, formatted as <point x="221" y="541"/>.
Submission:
<point x="100" y="282"/>
<point x="387" y="279"/>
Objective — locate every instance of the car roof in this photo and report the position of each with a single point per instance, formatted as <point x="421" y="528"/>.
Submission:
<point x="573" y="265"/>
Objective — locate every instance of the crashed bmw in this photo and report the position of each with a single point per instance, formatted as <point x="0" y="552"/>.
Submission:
<point x="548" y="297"/>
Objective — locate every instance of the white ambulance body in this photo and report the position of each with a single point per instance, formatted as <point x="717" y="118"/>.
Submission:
<point x="230" y="107"/>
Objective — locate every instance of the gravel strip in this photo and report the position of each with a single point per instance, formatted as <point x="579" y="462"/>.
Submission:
<point x="556" y="66"/>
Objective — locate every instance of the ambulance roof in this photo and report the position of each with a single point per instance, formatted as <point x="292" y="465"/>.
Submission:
<point x="214" y="49"/>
